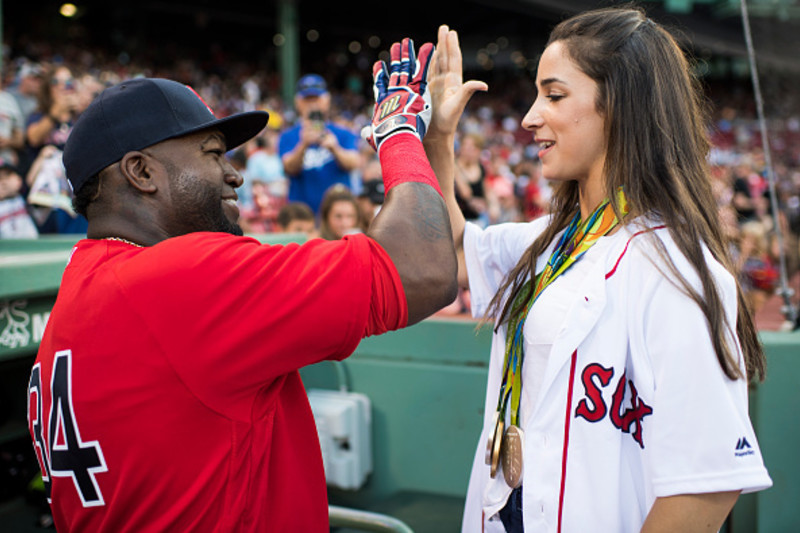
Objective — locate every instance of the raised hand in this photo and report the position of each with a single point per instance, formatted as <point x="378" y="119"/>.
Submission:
<point x="449" y="94"/>
<point x="402" y="102"/>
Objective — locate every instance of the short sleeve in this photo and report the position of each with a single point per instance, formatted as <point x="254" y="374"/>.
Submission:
<point x="389" y="307"/>
<point x="699" y="436"/>
<point x="491" y="253"/>
<point x="232" y="315"/>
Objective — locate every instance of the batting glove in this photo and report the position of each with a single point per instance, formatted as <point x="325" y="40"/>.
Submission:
<point x="402" y="103"/>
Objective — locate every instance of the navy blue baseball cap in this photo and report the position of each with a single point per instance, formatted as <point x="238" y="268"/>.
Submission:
<point x="142" y="112"/>
<point x="311" y="85"/>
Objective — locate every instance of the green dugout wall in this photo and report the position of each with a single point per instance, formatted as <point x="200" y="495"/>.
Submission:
<point x="426" y="385"/>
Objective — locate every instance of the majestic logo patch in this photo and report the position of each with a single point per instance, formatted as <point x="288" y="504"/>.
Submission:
<point x="594" y="408"/>
<point x="743" y="448"/>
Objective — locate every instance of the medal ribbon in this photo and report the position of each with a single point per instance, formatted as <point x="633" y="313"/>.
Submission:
<point x="574" y="242"/>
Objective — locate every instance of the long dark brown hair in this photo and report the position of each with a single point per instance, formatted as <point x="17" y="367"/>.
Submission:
<point x="655" y="119"/>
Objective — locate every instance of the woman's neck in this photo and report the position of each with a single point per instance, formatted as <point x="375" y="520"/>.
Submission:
<point x="590" y="194"/>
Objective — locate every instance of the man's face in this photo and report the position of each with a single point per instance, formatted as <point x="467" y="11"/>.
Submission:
<point x="200" y="188"/>
<point x="30" y="85"/>
<point x="308" y="104"/>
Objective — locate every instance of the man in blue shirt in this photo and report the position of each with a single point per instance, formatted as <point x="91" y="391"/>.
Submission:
<point x="316" y="153"/>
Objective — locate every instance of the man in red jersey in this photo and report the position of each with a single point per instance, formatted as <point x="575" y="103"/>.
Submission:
<point x="166" y="394"/>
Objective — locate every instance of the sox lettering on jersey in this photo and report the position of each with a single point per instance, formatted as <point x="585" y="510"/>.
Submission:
<point x="593" y="407"/>
<point x="63" y="453"/>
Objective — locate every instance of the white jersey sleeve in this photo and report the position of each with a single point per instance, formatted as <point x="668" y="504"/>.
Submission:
<point x="700" y="435"/>
<point x="491" y="253"/>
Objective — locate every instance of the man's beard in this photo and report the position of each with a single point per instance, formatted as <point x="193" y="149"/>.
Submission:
<point x="199" y="207"/>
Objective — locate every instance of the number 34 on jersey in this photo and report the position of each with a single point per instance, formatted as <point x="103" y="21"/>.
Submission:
<point x="57" y="441"/>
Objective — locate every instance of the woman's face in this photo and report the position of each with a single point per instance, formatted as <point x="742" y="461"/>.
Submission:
<point x="565" y="121"/>
<point x="469" y="151"/>
<point x="342" y="217"/>
<point x="62" y="81"/>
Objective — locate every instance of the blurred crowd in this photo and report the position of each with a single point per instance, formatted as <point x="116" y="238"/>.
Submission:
<point x="498" y="177"/>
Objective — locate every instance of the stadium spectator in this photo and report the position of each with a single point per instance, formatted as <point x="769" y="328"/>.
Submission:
<point x="12" y="128"/>
<point x="46" y="134"/>
<point x="26" y="86"/>
<point x="297" y="217"/>
<point x="734" y="130"/>
<point x="339" y="213"/>
<point x="88" y="87"/>
<point x="471" y="179"/>
<point x="261" y="216"/>
<point x="757" y="264"/>
<point x="748" y="191"/>
<point x="57" y="109"/>
<point x="15" y="222"/>
<point x="264" y="165"/>
<point x="316" y="152"/>
<point x="371" y="197"/>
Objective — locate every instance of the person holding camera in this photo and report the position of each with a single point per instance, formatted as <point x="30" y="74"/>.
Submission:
<point x="316" y="153"/>
<point x="57" y="109"/>
<point x="46" y="134"/>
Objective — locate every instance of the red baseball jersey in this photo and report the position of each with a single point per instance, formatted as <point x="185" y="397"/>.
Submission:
<point x="165" y="395"/>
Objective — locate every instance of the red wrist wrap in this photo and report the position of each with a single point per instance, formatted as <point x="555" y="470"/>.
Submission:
<point x="403" y="160"/>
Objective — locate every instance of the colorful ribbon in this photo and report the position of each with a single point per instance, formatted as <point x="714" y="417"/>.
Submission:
<point x="574" y="242"/>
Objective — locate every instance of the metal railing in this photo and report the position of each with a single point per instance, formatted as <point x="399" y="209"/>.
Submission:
<point x="365" y="521"/>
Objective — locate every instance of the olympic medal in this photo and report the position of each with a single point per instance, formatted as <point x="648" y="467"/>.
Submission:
<point x="490" y="440"/>
<point x="511" y="456"/>
<point x="498" y="440"/>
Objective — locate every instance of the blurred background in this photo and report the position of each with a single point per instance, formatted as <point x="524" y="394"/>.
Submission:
<point x="247" y="54"/>
<point x="278" y="40"/>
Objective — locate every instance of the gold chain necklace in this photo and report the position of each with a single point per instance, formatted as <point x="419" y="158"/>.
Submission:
<point x="126" y="241"/>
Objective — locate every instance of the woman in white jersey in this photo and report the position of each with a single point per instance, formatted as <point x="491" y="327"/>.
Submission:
<point x="617" y="391"/>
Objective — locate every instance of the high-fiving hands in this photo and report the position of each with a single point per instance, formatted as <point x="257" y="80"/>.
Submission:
<point x="423" y="94"/>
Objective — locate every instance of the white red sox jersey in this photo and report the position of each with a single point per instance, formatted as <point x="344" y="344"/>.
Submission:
<point x="629" y="402"/>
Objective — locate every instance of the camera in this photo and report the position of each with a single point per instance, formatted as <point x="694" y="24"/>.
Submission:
<point x="316" y="116"/>
<point x="317" y="120"/>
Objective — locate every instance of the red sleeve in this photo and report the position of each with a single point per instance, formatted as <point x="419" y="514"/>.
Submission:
<point x="388" y="309"/>
<point x="231" y="315"/>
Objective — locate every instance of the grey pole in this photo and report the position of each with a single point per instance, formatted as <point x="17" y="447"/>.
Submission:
<point x="289" y="53"/>
<point x="785" y="291"/>
<point x="1" y="36"/>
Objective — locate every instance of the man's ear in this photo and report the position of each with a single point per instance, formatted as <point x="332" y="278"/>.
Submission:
<point x="138" y="169"/>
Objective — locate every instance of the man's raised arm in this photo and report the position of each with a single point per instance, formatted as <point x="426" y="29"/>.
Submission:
<point x="413" y="226"/>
